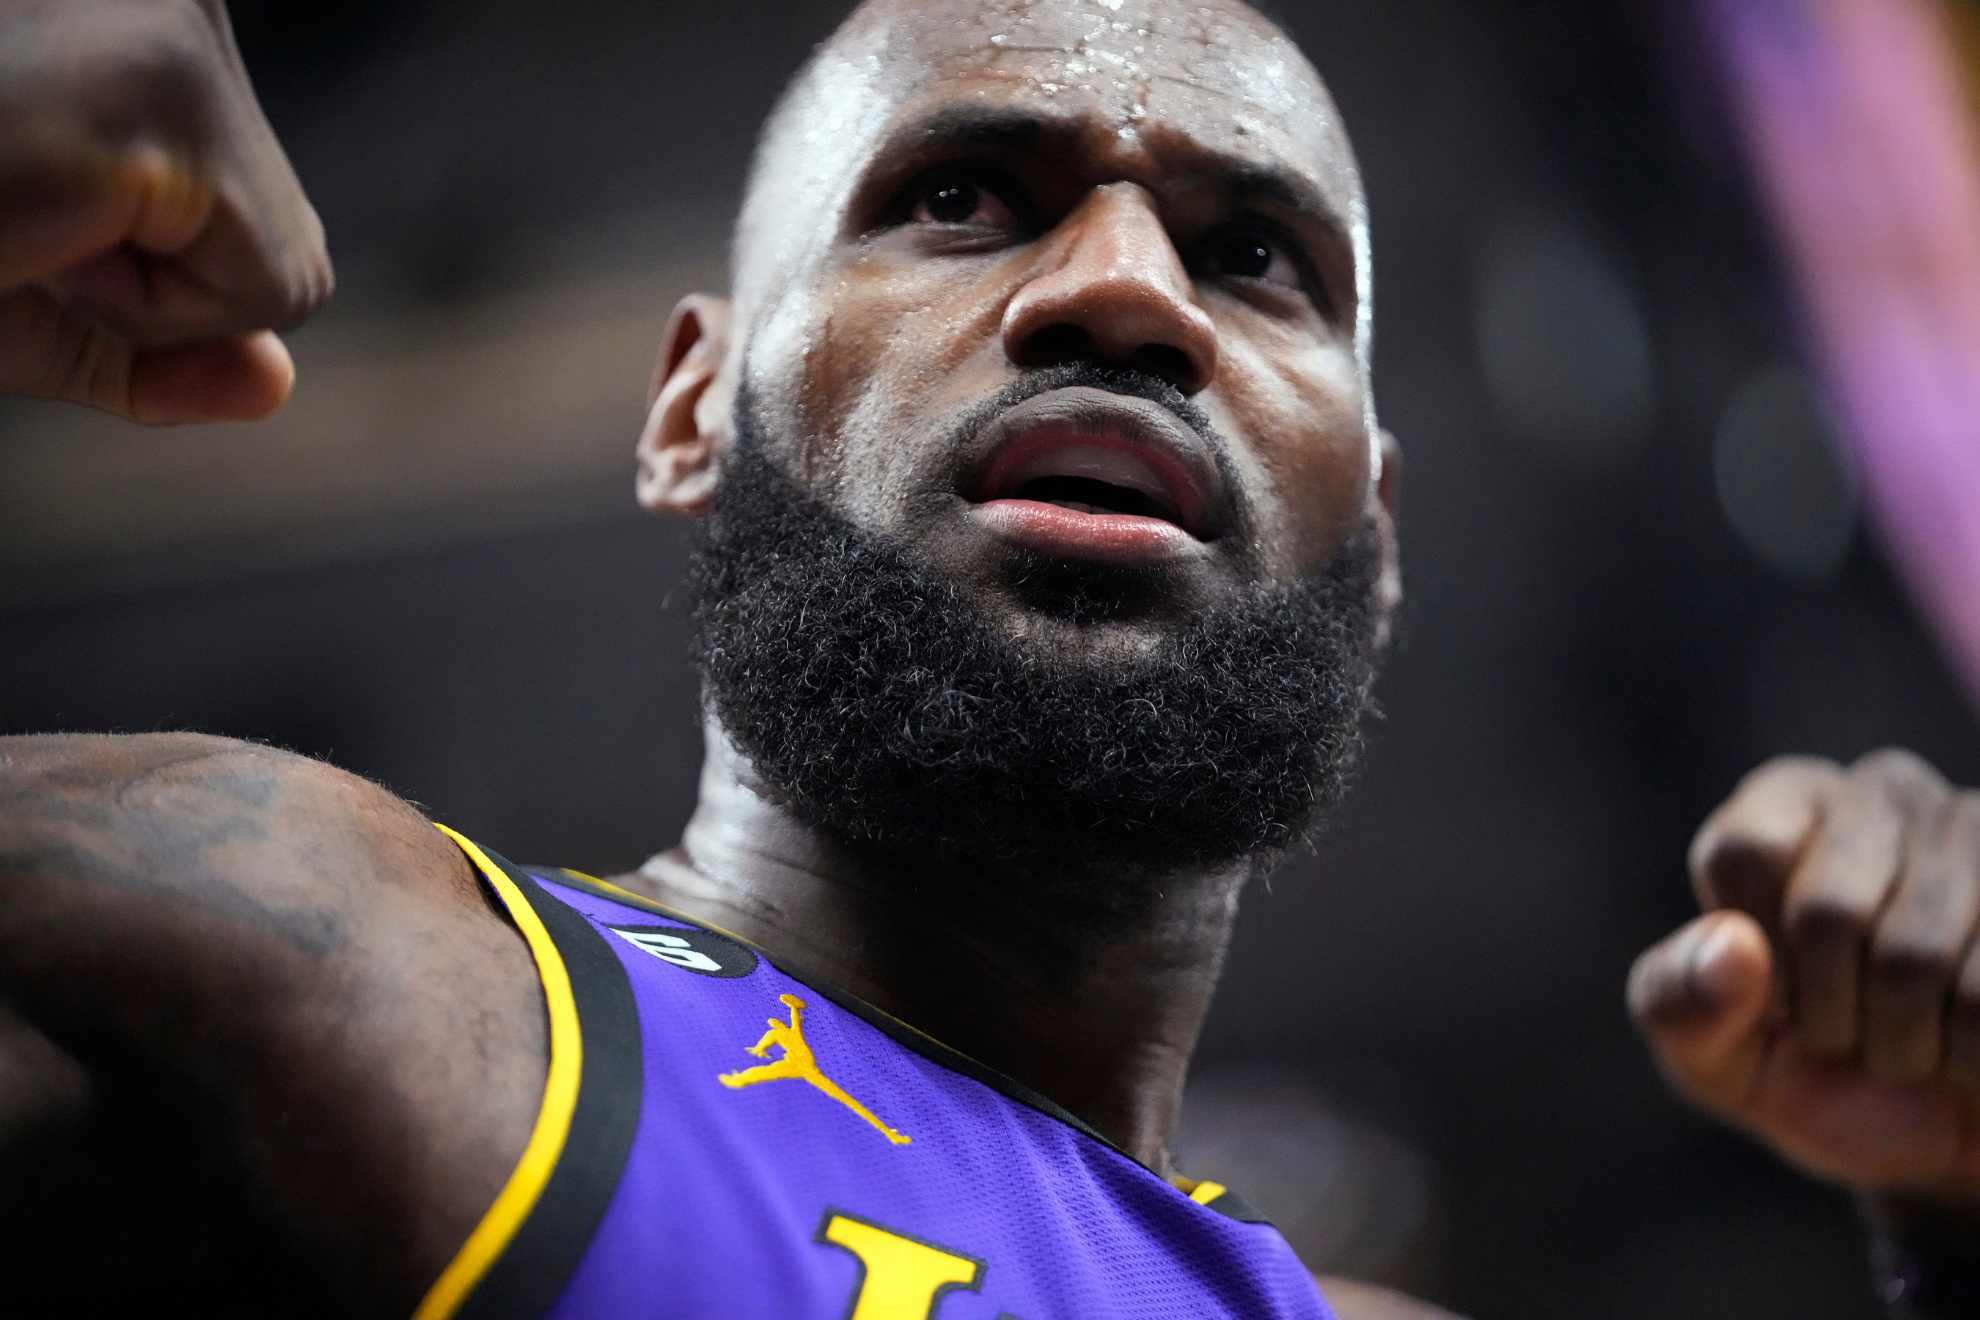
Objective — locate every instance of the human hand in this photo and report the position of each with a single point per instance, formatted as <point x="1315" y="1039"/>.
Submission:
<point x="152" y="233"/>
<point x="1829" y="1001"/>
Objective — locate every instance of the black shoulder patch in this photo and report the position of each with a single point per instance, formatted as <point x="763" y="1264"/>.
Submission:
<point x="699" y="951"/>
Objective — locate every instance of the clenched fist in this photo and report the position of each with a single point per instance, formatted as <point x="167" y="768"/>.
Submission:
<point x="152" y="233"/>
<point x="1829" y="1000"/>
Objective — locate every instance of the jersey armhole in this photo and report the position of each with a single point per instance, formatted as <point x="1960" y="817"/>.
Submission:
<point x="536" y="1233"/>
<point x="525" y="1184"/>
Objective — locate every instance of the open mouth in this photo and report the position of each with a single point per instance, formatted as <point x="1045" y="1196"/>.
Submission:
<point x="1084" y="473"/>
<point x="1087" y="495"/>
<point x="1098" y="472"/>
<point x="1087" y="479"/>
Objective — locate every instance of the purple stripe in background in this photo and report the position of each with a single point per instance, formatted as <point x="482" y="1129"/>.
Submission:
<point x="1858" y="122"/>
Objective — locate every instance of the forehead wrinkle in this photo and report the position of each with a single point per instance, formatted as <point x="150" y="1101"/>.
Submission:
<point x="1181" y="162"/>
<point x="1281" y="88"/>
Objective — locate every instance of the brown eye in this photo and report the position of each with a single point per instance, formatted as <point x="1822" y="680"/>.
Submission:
<point x="954" y="199"/>
<point x="1247" y="257"/>
<point x="953" y="203"/>
<point x="1247" y="254"/>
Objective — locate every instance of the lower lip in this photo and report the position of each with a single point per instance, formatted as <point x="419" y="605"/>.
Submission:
<point x="1108" y="538"/>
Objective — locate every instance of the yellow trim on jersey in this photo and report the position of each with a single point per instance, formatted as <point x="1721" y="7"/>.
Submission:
<point x="1206" y="1191"/>
<point x="553" y="1119"/>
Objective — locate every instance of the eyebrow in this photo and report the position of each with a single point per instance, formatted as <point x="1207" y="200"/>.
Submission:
<point x="982" y="128"/>
<point x="963" y="129"/>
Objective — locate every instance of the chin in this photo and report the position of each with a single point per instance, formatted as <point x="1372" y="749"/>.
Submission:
<point x="1096" y="644"/>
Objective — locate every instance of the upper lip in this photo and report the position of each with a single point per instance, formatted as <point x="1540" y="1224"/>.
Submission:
<point x="1117" y="438"/>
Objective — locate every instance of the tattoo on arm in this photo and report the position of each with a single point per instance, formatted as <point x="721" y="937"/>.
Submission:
<point x="180" y="825"/>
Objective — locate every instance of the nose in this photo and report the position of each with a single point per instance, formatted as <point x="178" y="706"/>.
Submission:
<point x="1115" y="292"/>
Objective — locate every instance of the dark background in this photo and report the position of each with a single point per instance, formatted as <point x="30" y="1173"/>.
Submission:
<point x="1634" y="571"/>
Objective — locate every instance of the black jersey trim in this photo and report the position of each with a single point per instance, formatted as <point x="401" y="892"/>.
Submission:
<point x="532" y="1271"/>
<point x="1228" y="1204"/>
<point x="1232" y="1206"/>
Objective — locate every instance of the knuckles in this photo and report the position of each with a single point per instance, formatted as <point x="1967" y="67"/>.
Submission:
<point x="1742" y="853"/>
<point x="1872" y="867"/>
<point x="1899" y="773"/>
<point x="312" y="282"/>
<point x="1787" y="775"/>
<point x="154" y="95"/>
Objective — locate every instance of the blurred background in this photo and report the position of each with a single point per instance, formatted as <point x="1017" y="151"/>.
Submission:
<point x="1638" y="565"/>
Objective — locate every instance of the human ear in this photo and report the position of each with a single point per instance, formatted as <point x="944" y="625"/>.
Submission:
<point x="687" y="417"/>
<point x="1386" y="512"/>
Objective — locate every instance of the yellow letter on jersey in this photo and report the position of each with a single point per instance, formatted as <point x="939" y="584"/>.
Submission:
<point x="902" y="1278"/>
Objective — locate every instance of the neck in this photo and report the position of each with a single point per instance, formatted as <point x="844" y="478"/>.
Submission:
<point x="1090" y="990"/>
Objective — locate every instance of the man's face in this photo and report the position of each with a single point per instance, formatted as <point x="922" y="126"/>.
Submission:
<point x="1046" y="528"/>
<point x="981" y="203"/>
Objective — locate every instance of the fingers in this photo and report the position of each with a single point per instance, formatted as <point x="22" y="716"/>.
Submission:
<point x="1841" y="894"/>
<point x="69" y="201"/>
<point x="58" y="355"/>
<point x="185" y="270"/>
<point x="1868" y="883"/>
<point x="1747" y="850"/>
<point x="227" y="380"/>
<point x="1700" y="998"/>
<point x="1745" y="854"/>
<point x="1916" y="952"/>
<point x="1831" y="1004"/>
<point x="1832" y="904"/>
<point x="142" y="187"/>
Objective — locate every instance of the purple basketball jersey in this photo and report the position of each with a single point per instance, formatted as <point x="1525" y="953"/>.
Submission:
<point x="718" y="1139"/>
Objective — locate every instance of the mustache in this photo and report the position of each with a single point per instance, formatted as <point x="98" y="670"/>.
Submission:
<point x="1094" y="375"/>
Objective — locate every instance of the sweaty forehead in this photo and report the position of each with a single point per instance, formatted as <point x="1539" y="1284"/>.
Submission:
<point x="1216" y="75"/>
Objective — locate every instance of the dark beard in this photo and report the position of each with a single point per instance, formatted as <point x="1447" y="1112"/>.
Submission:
<point x="879" y="704"/>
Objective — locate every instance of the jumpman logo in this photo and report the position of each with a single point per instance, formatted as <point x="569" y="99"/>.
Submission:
<point x="799" y="1064"/>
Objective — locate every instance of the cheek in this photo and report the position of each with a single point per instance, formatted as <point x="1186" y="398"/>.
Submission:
<point x="891" y="349"/>
<point x="1301" y="407"/>
<point x="785" y="344"/>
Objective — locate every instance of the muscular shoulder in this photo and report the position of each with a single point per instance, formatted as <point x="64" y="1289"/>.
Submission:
<point x="161" y="809"/>
<point x="231" y="865"/>
<point x="298" y="970"/>
<point x="1362" y="1301"/>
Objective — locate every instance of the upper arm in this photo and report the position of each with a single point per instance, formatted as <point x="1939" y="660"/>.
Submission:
<point x="209" y="951"/>
<point x="146" y="882"/>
